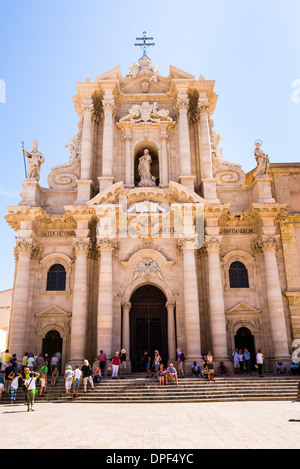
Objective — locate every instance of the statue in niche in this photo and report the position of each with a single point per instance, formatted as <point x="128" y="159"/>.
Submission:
<point x="262" y="161"/>
<point x="144" y="170"/>
<point x="35" y="159"/>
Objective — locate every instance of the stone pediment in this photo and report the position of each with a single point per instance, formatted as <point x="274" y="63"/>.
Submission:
<point x="242" y="308"/>
<point x="113" y="74"/>
<point x="176" y="73"/>
<point x="52" y="312"/>
<point x="175" y="193"/>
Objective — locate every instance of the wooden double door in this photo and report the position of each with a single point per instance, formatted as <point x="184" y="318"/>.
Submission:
<point x="148" y="326"/>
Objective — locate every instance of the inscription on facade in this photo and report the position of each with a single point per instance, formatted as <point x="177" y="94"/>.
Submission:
<point x="48" y="233"/>
<point x="227" y="231"/>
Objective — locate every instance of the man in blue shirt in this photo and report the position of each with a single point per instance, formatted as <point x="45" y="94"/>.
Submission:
<point x="171" y="374"/>
<point x="247" y="361"/>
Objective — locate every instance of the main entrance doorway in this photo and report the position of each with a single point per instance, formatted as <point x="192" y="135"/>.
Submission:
<point x="148" y="325"/>
<point x="244" y="339"/>
<point x="52" y="343"/>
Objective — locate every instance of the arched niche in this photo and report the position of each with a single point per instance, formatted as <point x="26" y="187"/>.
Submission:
<point x="154" y="152"/>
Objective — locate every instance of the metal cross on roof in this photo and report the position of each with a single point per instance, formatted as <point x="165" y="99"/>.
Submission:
<point x="145" y="45"/>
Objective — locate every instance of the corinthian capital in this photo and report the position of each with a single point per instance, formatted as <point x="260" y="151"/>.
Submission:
<point x="188" y="243"/>
<point x="182" y="103"/>
<point x="108" y="105"/>
<point x="87" y="106"/>
<point x="203" y="107"/>
<point x="212" y="243"/>
<point x="27" y="247"/>
<point x="107" y="244"/>
<point x="266" y="242"/>
<point x="81" y="246"/>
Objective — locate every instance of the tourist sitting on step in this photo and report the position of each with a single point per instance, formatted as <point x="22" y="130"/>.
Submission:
<point x="222" y="369"/>
<point x="161" y="375"/>
<point x="171" y="374"/>
<point x="195" y="370"/>
<point x="280" y="369"/>
<point x="295" y="368"/>
<point x="97" y="375"/>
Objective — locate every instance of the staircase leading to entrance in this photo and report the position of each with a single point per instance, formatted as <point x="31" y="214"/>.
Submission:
<point x="141" y="390"/>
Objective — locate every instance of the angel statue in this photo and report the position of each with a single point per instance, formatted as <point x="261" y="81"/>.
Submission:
<point x="133" y="70"/>
<point x="144" y="170"/>
<point x="262" y="160"/>
<point x="35" y="159"/>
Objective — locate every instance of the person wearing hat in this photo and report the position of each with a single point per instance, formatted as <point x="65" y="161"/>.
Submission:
<point x="115" y="364"/>
<point x="123" y="358"/>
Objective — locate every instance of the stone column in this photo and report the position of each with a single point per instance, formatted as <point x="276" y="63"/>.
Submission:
<point x="164" y="159"/>
<point x="208" y="182"/>
<point x="191" y="301"/>
<point x="105" y="296"/>
<point x="186" y="177"/>
<point x="170" y="305"/>
<point x="85" y="184"/>
<point x="216" y="298"/>
<point x="268" y="245"/>
<point x="80" y="302"/>
<point x="126" y="327"/>
<point x="18" y="323"/>
<point x="108" y="142"/>
<point x="127" y="138"/>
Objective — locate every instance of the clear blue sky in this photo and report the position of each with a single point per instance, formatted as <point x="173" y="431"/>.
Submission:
<point x="251" y="49"/>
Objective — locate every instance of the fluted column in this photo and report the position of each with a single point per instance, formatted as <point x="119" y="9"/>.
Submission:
<point x="86" y="139"/>
<point x="164" y="158"/>
<point x="80" y="302"/>
<point x="84" y="184"/>
<point x="216" y="297"/>
<point x="126" y="327"/>
<point x="207" y="180"/>
<point x="107" y="179"/>
<point x="127" y="138"/>
<point x="170" y="305"/>
<point x="105" y="297"/>
<point x="268" y="245"/>
<point x="191" y="301"/>
<point x="186" y="177"/>
<point x="18" y="324"/>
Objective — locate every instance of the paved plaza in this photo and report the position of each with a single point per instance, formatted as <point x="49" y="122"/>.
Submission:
<point x="218" y="425"/>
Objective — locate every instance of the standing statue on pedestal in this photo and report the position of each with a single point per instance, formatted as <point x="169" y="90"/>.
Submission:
<point x="262" y="160"/>
<point x="144" y="170"/>
<point x="35" y="159"/>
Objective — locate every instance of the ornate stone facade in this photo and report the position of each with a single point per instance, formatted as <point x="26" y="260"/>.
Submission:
<point x="180" y="249"/>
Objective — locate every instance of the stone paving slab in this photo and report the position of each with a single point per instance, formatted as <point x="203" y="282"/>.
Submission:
<point x="217" y="425"/>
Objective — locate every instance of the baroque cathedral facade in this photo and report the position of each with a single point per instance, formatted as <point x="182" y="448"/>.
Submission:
<point x="146" y="239"/>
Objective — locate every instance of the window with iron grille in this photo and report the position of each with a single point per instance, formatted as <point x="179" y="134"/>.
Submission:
<point x="56" y="278"/>
<point x="238" y="276"/>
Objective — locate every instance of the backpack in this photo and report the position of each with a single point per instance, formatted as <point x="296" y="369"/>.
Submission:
<point x="182" y="358"/>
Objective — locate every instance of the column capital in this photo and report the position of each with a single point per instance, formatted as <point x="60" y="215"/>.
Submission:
<point x="188" y="243"/>
<point x="81" y="246"/>
<point x="182" y="103"/>
<point x="107" y="244"/>
<point x="127" y="305"/>
<point x="203" y="108"/>
<point x="108" y="105"/>
<point x="266" y="243"/>
<point x="27" y="247"/>
<point x="170" y="305"/>
<point x="87" y="106"/>
<point x="212" y="243"/>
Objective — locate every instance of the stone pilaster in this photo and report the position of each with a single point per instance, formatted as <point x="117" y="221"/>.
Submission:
<point x="80" y="302"/>
<point x="207" y="180"/>
<point x="191" y="301"/>
<point x="170" y="305"/>
<point x="105" y="296"/>
<point x="127" y="138"/>
<point x="24" y="250"/>
<point x="164" y="181"/>
<point x="212" y="246"/>
<point x="108" y="142"/>
<point x="268" y="245"/>
<point x="84" y="185"/>
<point x="186" y="177"/>
<point x="126" y="331"/>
